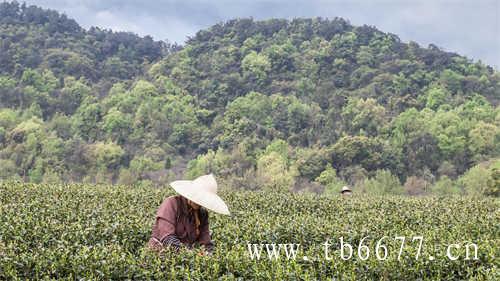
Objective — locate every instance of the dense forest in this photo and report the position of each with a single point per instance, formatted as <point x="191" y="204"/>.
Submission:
<point x="302" y="104"/>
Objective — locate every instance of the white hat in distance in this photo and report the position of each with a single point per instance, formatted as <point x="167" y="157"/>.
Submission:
<point x="345" y="188"/>
<point x="202" y="191"/>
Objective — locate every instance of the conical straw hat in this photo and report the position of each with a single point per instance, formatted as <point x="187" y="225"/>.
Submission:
<point x="345" y="188"/>
<point x="202" y="191"/>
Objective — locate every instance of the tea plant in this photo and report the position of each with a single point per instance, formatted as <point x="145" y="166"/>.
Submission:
<point x="78" y="231"/>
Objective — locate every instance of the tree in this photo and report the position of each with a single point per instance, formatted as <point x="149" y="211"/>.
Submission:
<point x="245" y="115"/>
<point x="484" y="138"/>
<point x="451" y="80"/>
<point x="280" y="57"/>
<point x="273" y="172"/>
<point x="117" y="125"/>
<point x="494" y="181"/>
<point x="451" y="133"/>
<point x="203" y="164"/>
<point x="435" y="97"/>
<point x="140" y="166"/>
<point x="105" y="158"/>
<point x="474" y="182"/>
<point x="357" y="150"/>
<point x="311" y="163"/>
<point x="329" y="179"/>
<point x="382" y="183"/>
<point x="422" y="152"/>
<point x="256" y="65"/>
<point x="364" y="117"/>
<point x="86" y="120"/>
<point x="8" y="95"/>
<point x="324" y="91"/>
<point x="9" y="170"/>
<point x="445" y="186"/>
<point x="72" y="94"/>
<point x="365" y="56"/>
<point x="144" y="89"/>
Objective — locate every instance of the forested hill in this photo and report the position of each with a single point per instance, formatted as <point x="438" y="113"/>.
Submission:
<point x="281" y="104"/>
<point x="36" y="38"/>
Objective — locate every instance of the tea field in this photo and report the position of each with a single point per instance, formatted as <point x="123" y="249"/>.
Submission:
<point x="97" y="232"/>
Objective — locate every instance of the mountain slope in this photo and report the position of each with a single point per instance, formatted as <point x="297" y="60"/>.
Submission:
<point x="313" y="103"/>
<point x="33" y="37"/>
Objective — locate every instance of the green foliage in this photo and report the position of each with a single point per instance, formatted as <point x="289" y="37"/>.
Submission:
<point x="143" y="164"/>
<point x="203" y="164"/>
<point x="143" y="89"/>
<point x="450" y="132"/>
<point x="77" y="231"/>
<point x="445" y="186"/>
<point x="494" y="181"/>
<point x="106" y="155"/>
<point x="329" y="179"/>
<point x="73" y="93"/>
<point x="484" y="139"/>
<point x="26" y="128"/>
<point x="38" y="38"/>
<point x="435" y="97"/>
<point x="257" y="65"/>
<point x="42" y="82"/>
<point x="273" y="172"/>
<point x="477" y="181"/>
<point x="9" y="170"/>
<point x="311" y="163"/>
<point x="281" y="148"/>
<point x="364" y="117"/>
<point x="8" y="118"/>
<point x="117" y="125"/>
<point x="382" y="183"/>
<point x="350" y="96"/>
<point x="353" y="150"/>
<point x="451" y="80"/>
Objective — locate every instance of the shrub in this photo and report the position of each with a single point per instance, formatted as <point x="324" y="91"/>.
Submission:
<point x="382" y="183"/>
<point x="474" y="182"/>
<point x="329" y="179"/>
<point x="445" y="186"/>
<point x="273" y="172"/>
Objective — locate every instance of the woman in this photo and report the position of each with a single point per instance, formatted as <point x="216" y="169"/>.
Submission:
<point x="182" y="220"/>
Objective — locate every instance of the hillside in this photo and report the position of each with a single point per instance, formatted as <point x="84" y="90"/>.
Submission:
<point x="34" y="38"/>
<point x="277" y="104"/>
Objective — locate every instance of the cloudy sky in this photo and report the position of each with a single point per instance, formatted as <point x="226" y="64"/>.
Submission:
<point x="467" y="27"/>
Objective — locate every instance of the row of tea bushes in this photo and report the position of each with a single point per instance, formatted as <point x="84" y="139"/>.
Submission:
<point x="88" y="232"/>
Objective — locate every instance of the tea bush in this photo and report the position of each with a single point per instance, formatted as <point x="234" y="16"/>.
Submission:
<point x="88" y="232"/>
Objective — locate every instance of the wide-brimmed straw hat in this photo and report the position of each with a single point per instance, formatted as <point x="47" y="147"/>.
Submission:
<point x="345" y="188"/>
<point x="202" y="191"/>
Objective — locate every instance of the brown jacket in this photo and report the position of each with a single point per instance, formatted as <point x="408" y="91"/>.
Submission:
<point x="175" y="226"/>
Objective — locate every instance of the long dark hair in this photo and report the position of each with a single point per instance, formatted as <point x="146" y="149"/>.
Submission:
<point x="202" y="214"/>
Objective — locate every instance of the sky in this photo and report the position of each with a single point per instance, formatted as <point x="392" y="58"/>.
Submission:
<point x="466" y="27"/>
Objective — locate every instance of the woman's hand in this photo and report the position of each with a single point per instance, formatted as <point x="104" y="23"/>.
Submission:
<point x="197" y="251"/>
<point x="204" y="252"/>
